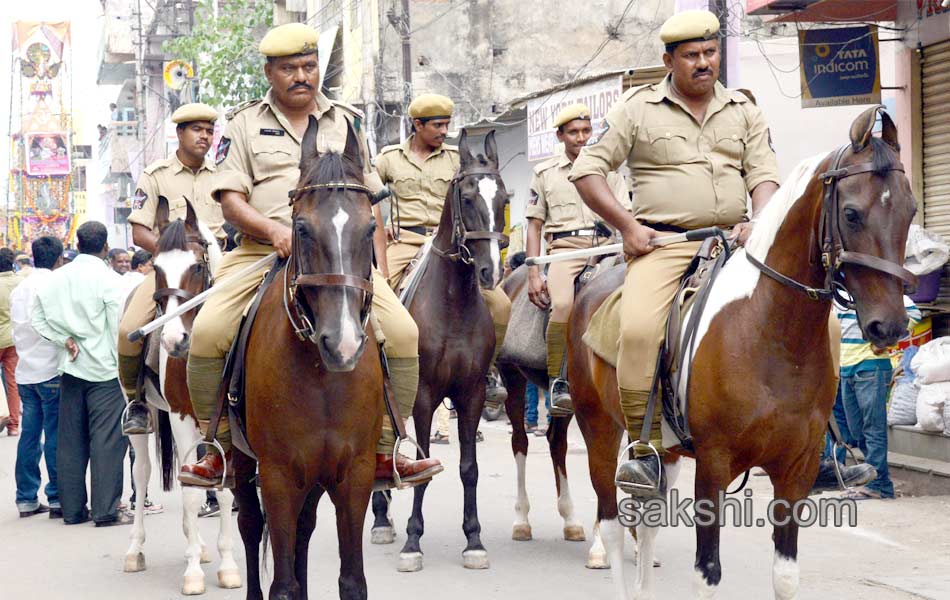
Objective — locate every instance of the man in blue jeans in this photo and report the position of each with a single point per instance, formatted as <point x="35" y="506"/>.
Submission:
<point x="37" y="376"/>
<point x="865" y="381"/>
<point x="531" y="399"/>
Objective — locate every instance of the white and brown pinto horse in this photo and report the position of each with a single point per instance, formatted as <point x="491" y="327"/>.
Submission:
<point x="187" y="255"/>
<point x="762" y="383"/>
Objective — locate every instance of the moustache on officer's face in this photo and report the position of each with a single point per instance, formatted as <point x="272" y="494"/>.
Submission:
<point x="306" y="86"/>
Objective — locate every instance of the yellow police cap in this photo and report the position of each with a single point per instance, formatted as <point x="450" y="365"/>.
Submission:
<point x="690" y="25"/>
<point x="574" y="111"/>
<point x="196" y="111"/>
<point x="289" y="39"/>
<point x="427" y="106"/>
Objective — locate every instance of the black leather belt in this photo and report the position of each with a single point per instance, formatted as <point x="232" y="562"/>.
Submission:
<point x="575" y="233"/>
<point x="419" y="229"/>
<point x="664" y="227"/>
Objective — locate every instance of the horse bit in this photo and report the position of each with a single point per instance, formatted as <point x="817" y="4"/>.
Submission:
<point x="302" y="325"/>
<point x="833" y="254"/>
<point x="460" y="235"/>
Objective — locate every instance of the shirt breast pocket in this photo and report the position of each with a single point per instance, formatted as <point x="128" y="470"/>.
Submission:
<point x="562" y="208"/>
<point x="730" y="144"/>
<point x="271" y="158"/>
<point x="670" y="145"/>
<point x="406" y="186"/>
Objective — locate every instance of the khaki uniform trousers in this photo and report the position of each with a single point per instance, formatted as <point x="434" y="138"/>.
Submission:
<point x="139" y="311"/>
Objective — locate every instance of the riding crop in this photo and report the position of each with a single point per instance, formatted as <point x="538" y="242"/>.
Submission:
<point x="186" y="306"/>
<point x="687" y="236"/>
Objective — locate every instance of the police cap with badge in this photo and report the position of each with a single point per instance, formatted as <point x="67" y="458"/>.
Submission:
<point x="427" y="107"/>
<point x="195" y="111"/>
<point x="571" y="113"/>
<point x="291" y="39"/>
<point x="689" y="26"/>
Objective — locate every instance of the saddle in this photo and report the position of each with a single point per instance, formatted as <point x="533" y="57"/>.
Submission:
<point x="678" y="347"/>
<point x="409" y="284"/>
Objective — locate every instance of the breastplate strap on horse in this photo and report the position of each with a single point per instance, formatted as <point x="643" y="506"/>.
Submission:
<point x="460" y="235"/>
<point x="833" y="254"/>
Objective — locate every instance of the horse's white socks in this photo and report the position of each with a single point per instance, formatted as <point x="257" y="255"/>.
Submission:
<point x="612" y="533"/>
<point x="784" y="577"/>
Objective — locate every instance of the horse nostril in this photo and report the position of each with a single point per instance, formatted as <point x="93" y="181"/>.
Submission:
<point x="485" y="273"/>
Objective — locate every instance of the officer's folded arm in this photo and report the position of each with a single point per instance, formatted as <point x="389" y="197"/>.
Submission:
<point x="252" y="223"/>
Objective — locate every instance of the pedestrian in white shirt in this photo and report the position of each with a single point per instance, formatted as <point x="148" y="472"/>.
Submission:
<point x="37" y="377"/>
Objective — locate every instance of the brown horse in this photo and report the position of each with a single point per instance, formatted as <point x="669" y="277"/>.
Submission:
<point x="762" y="382"/>
<point x="456" y="337"/>
<point x="314" y="403"/>
<point x="187" y="255"/>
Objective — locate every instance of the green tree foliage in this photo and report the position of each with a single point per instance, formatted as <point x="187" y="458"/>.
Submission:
<point x="229" y="67"/>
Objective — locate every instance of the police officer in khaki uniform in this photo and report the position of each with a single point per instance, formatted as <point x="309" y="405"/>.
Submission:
<point x="695" y="150"/>
<point x="258" y="162"/>
<point x="555" y="206"/>
<point x="419" y="172"/>
<point x="186" y="174"/>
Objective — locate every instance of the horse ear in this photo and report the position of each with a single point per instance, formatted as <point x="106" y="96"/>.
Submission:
<point x="161" y="213"/>
<point x="308" y="149"/>
<point x="889" y="131"/>
<point x="862" y="128"/>
<point x="491" y="148"/>
<point x="465" y="155"/>
<point x="191" y="219"/>
<point x="352" y="149"/>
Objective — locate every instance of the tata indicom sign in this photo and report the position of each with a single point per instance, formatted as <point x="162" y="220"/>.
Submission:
<point x="840" y="67"/>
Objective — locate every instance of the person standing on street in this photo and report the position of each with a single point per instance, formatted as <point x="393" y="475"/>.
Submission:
<point x="77" y="308"/>
<point x="9" y="279"/>
<point x="37" y="375"/>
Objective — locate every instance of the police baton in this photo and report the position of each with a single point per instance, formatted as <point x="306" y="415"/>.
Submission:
<point x="695" y="235"/>
<point x="186" y="306"/>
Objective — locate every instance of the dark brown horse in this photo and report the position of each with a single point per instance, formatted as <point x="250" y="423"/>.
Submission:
<point x="314" y="403"/>
<point x="762" y="382"/>
<point x="456" y="337"/>
<point x="187" y="255"/>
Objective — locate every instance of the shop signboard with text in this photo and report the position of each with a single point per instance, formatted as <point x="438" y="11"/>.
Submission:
<point x="840" y="67"/>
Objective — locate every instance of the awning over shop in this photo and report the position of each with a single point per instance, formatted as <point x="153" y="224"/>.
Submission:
<point x="824" y="11"/>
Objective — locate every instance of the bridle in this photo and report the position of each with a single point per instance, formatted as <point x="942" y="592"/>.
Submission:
<point x="185" y="295"/>
<point x="303" y="327"/>
<point x="833" y="254"/>
<point x="460" y="236"/>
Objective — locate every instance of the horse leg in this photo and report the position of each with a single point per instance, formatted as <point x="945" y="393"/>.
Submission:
<point x="646" y="542"/>
<point x="283" y="503"/>
<point x="410" y="557"/>
<point x="250" y="521"/>
<point x="514" y="406"/>
<point x="185" y="433"/>
<point x="229" y="577"/>
<point x="351" y="499"/>
<point x="712" y="477"/>
<point x="474" y="556"/>
<point x="306" y="523"/>
<point x="135" y="557"/>
<point x="557" y="442"/>
<point x="383" y="531"/>
<point x="792" y="483"/>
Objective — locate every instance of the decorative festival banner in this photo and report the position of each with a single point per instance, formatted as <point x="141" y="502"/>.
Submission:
<point x="47" y="153"/>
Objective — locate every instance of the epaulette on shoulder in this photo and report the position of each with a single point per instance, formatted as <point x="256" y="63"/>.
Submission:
<point x="547" y="164"/>
<point x="388" y="149"/>
<point x="348" y="108"/>
<point x="242" y="106"/>
<point x="158" y="164"/>
<point x="631" y="92"/>
<point x="450" y="148"/>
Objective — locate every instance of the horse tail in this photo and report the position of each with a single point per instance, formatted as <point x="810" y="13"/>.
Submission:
<point x="165" y="450"/>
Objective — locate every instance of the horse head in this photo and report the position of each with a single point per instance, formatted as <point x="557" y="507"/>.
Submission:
<point x="872" y="214"/>
<point x="332" y="257"/>
<point x="476" y="207"/>
<point x="186" y="253"/>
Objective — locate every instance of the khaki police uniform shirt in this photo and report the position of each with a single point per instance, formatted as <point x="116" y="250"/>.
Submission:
<point x="555" y="201"/>
<point x="170" y="178"/>
<point x="259" y="154"/>
<point x="686" y="174"/>
<point x="419" y="185"/>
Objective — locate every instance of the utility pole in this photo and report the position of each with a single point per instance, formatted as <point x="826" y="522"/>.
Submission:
<point x="721" y="9"/>
<point x="402" y="25"/>
<point x="368" y="86"/>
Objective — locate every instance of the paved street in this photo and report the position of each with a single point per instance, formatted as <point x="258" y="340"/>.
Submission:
<point x="900" y="550"/>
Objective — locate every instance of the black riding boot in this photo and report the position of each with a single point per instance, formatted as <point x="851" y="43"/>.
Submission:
<point x="561" y="403"/>
<point x="644" y="478"/>
<point x="495" y="392"/>
<point x="852" y="476"/>
<point x="138" y="419"/>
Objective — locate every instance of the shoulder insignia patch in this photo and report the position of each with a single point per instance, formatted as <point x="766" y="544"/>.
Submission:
<point x="597" y="137"/>
<point x="224" y="146"/>
<point x="242" y="106"/>
<point x="139" y="198"/>
<point x="533" y="198"/>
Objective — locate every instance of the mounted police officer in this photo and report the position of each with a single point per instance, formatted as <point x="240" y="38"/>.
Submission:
<point x="258" y="162"/>
<point x="555" y="206"/>
<point x="695" y="150"/>
<point x="184" y="175"/>
<point x="419" y="172"/>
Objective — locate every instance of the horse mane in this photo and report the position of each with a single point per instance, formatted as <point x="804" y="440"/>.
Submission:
<point x="331" y="167"/>
<point x="174" y="237"/>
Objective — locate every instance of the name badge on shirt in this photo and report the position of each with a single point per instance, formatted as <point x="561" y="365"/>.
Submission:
<point x="277" y="132"/>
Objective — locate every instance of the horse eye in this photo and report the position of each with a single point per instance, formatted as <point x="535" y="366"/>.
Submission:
<point x="301" y="229"/>
<point x="852" y="216"/>
<point x="370" y="231"/>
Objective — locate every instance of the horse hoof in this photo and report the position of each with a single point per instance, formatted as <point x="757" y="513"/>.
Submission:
<point x="205" y="555"/>
<point x="574" y="533"/>
<point x="597" y="561"/>
<point x="193" y="585"/>
<point x="475" y="559"/>
<point x="229" y="579"/>
<point x="134" y="563"/>
<point x="521" y="532"/>
<point x="410" y="562"/>
<point x="382" y="535"/>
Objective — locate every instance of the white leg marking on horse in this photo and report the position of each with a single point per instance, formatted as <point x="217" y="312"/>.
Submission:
<point x="186" y="433"/>
<point x="597" y="555"/>
<point x="349" y="333"/>
<point x="487" y="188"/>
<point x="135" y="557"/>
<point x="521" y="530"/>
<point x="573" y="530"/>
<point x="784" y="577"/>
<point x="646" y="544"/>
<point x="701" y="589"/>
<point x="229" y="576"/>
<point x="612" y="532"/>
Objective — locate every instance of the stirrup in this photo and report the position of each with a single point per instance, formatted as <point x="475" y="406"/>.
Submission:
<point x="224" y="459"/>
<point x="837" y="465"/>
<point x="123" y="419"/>
<point x="399" y="485"/>
<point x="626" y="486"/>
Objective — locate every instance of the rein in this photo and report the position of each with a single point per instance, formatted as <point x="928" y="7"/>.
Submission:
<point x="303" y="327"/>
<point x="460" y="235"/>
<point x="833" y="254"/>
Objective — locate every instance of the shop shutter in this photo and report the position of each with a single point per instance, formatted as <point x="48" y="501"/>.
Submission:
<point x="935" y="88"/>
